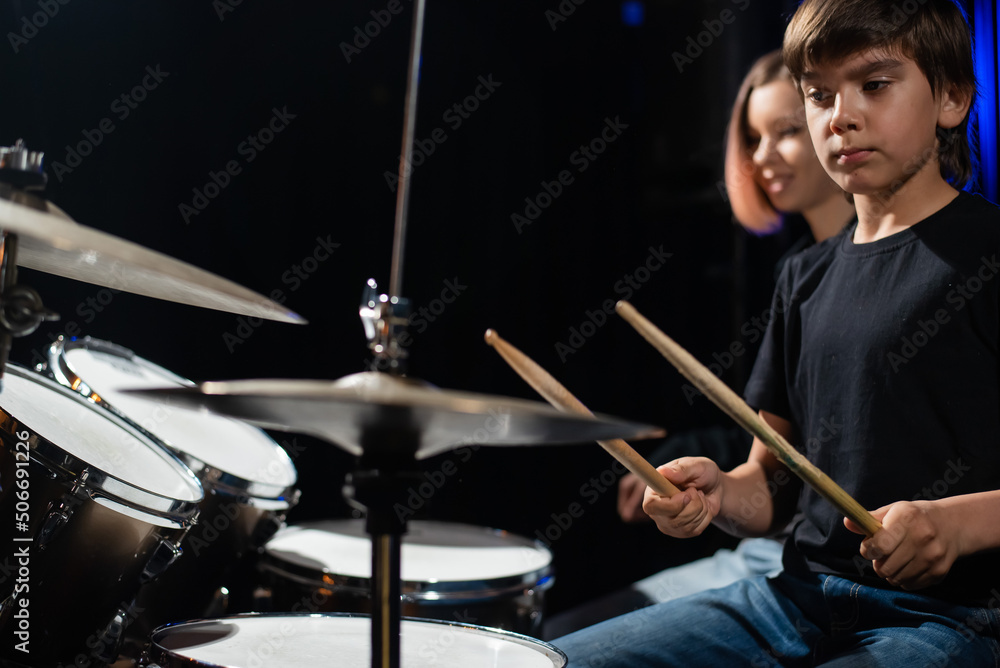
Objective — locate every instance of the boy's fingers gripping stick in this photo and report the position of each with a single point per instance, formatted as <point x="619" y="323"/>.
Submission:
<point x="723" y="397"/>
<point x="561" y="398"/>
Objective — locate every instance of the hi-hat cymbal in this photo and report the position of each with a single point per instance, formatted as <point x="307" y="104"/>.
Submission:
<point x="374" y="411"/>
<point x="50" y="241"/>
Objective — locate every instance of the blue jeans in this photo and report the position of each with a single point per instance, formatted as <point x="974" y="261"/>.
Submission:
<point x="753" y="556"/>
<point x="789" y="620"/>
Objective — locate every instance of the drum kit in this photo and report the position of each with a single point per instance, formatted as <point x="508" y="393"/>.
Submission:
<point x="147" y="512"/>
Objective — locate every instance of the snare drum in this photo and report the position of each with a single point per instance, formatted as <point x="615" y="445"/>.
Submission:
<point x="452" y="572"/>
<point x="95" y="510"/>
<point x="249" y="479"/>
<point x="304" y="640"/>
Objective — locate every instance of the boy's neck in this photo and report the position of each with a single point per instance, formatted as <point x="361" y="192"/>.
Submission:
<point x="829" y="217"/>
<point x="883" y="214"/>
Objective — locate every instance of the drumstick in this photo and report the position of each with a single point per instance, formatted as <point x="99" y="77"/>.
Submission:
<point x="723" y="397"/>
<point x="563" y="399"/>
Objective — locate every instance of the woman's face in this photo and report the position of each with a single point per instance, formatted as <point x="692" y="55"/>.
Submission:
<point x="785" y="163"/>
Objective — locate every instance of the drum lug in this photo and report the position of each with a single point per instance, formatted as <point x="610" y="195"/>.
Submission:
<point x="165" y="554"/>
<point x="61" y="514"/>
<point x="112" y="636"/>
<point x="51" y="525"/>
<point x="265" y="530"/>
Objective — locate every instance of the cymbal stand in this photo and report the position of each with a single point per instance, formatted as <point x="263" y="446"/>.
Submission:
<point x="380" y="481"/>
<point x="378" y="486"/>
<point x="21" y="309"/>
<point x="388" y="461"/>
<point x="385" y="470"/>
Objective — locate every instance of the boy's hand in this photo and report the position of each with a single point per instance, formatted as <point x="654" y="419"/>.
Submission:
<point x="915" y="548"/>
<point x="686" y="514"/>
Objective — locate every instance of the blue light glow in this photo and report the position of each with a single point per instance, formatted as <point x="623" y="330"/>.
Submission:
<point x="987" y="27"/>
<point x="633" y="13"/>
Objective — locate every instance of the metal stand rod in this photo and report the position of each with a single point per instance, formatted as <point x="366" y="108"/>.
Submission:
<point x="8" y="279"/>
<point x="21" y="309"/>
<point x="379" y="484"/>
<point x="405" y="164"/>
<point x="385" y="591"/>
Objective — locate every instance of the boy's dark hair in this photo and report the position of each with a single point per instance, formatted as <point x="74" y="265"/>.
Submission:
<point x="933" y="33"/>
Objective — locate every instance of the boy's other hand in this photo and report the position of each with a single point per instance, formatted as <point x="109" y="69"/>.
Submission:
<point x="915" y="547"/>
<point x="686" y="514"/>
<point x="631" y="490"/>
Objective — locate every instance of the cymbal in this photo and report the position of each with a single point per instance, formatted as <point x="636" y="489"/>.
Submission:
<point x="50" y="241"/>
<point x="375" y="411"/>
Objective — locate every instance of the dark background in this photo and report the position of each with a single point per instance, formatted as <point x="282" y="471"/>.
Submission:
<point x="324" y="176"/>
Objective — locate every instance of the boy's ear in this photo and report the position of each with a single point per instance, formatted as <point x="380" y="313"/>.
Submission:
<point x="954" y="106"/>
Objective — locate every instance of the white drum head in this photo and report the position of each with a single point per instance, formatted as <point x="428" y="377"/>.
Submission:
<point x="228" y="445"/>
<point x="303" y="641"/>
<point x="89" y="434"/>
<point x="430" y="551"/>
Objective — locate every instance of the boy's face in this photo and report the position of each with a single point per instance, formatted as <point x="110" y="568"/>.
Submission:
<point x="872" y="118"/>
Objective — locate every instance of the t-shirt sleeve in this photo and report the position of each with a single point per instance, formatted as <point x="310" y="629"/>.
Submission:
<point x="767" y="388"/>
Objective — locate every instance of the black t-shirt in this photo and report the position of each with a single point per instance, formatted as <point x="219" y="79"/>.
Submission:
<point x="884" y="358"/>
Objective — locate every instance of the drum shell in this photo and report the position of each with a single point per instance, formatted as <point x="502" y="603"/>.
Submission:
<point x="220" y="552"/>
<point x="514" y="603"/>
<point x="91" y="567"/>
<point x="237" y="515"/>
<point x="169" y="645"/>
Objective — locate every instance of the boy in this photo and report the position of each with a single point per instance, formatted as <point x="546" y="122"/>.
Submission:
<point x="881" y="363"/>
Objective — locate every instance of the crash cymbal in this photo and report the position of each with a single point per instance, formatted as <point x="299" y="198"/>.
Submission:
<point x="377" y="411"/>
<point x="49" y="241"/>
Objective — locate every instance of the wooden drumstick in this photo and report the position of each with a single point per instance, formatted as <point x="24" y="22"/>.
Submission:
<point x="563" y="399"/>
<point x="734" y="406"/>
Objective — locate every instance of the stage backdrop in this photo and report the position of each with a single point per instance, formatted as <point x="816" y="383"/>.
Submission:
<point x="568" y="155"/>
